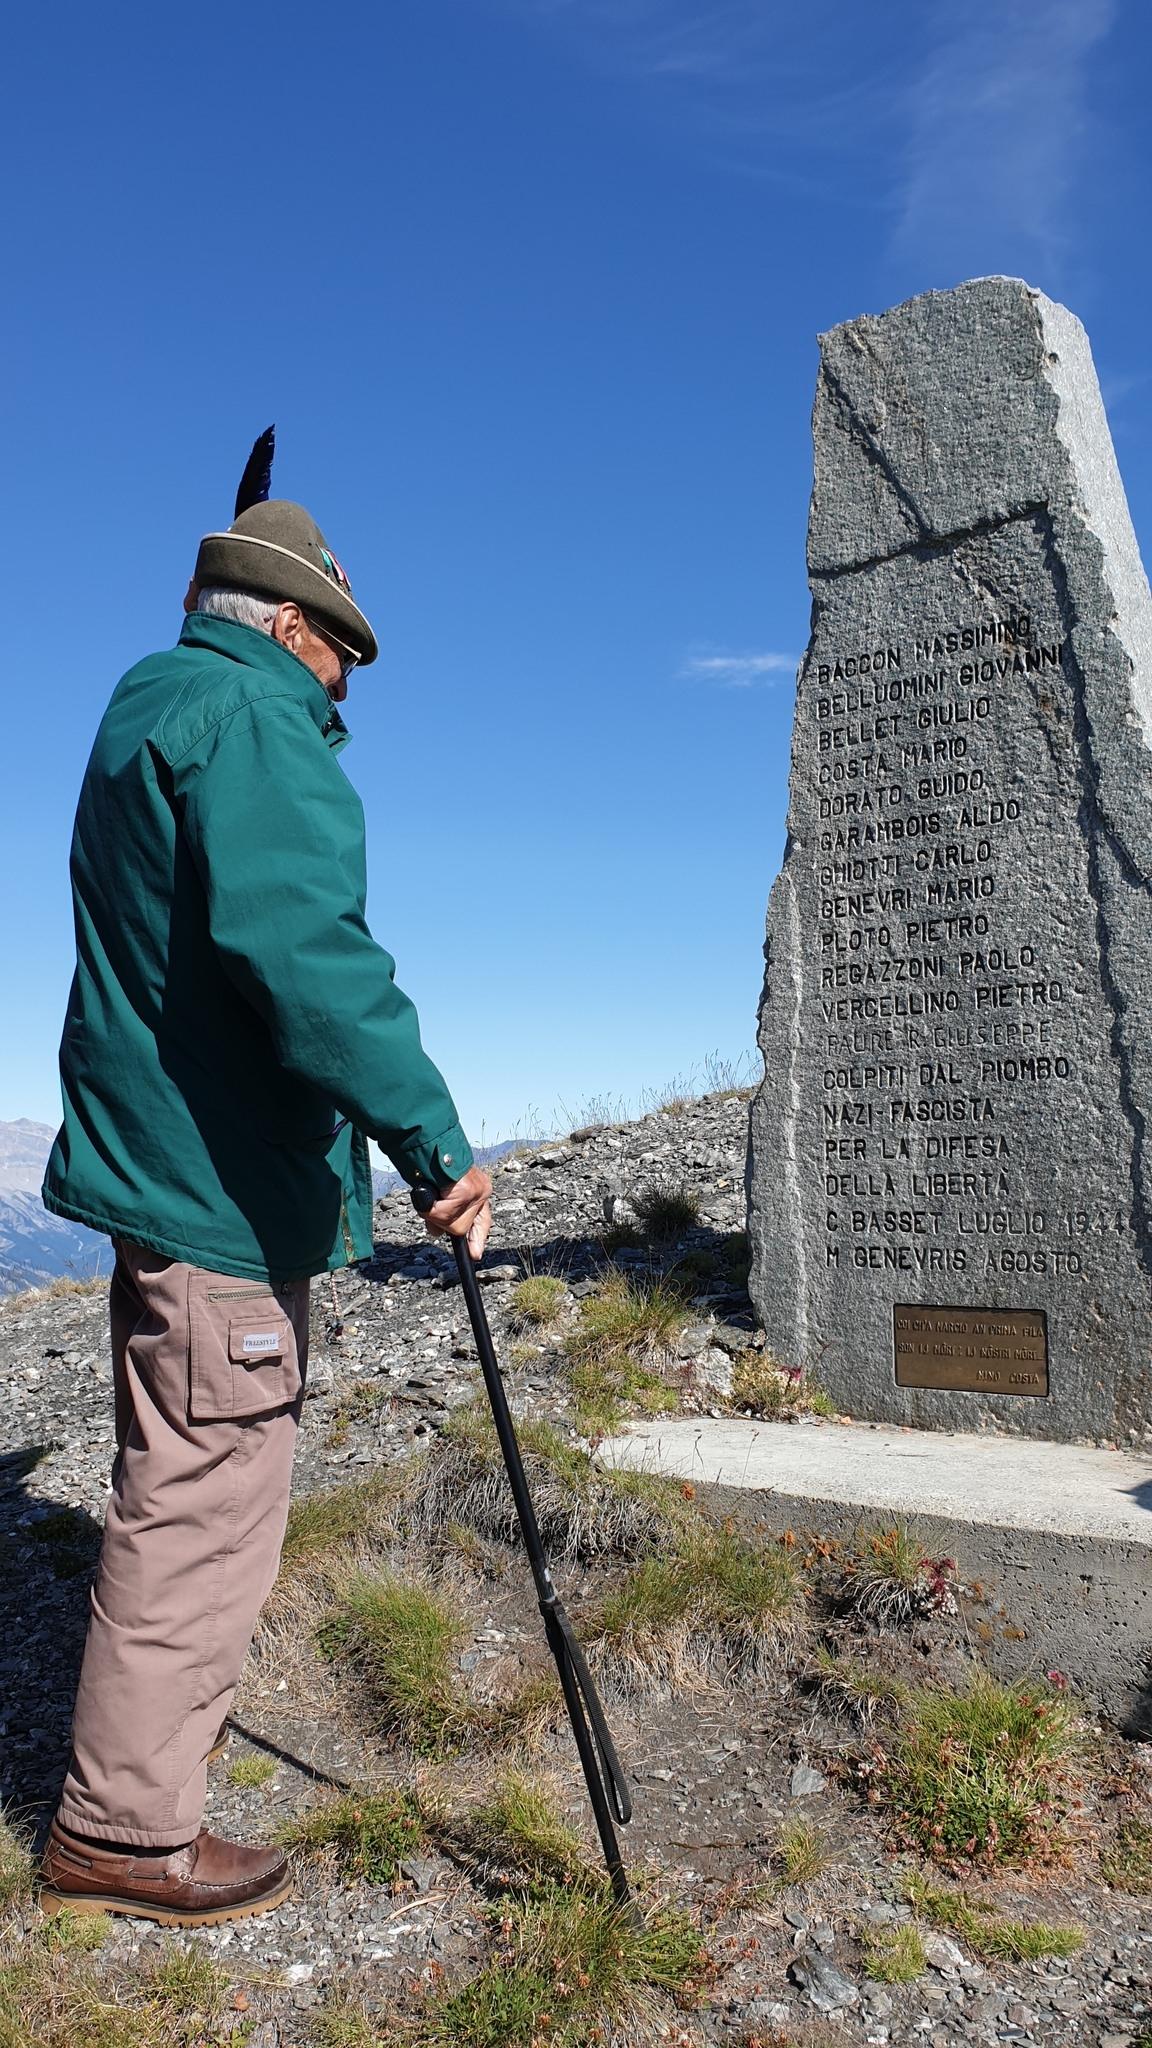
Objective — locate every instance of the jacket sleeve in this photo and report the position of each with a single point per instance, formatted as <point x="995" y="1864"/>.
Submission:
<point x="277" y="835"/>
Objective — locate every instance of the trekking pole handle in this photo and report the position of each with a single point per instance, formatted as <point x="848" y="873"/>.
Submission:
<point x="424" y="1196"/>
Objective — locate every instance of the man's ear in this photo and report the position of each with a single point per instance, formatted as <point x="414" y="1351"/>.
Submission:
<point x="192" y="596"/>
<point x="288" y="626"/>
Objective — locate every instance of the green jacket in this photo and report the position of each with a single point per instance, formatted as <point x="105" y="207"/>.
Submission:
<point x="230" y="1005"/>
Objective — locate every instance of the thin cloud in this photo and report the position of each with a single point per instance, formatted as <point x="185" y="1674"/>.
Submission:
<point x="997" y="123"/>
<point x="740" y="671"/>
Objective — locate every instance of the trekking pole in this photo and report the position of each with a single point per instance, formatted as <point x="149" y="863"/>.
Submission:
<point x="602" y="1772"/>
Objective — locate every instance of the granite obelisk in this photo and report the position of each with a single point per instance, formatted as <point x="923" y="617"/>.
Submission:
<point x="950" y="1168"/>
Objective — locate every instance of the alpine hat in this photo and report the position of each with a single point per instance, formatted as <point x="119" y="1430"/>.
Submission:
<point x="276" y="549"/>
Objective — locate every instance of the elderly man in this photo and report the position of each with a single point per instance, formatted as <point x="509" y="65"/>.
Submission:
<point x="234" y="1036"/>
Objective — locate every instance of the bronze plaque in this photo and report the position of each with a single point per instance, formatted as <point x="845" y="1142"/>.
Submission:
<point x="976" y="1350"/>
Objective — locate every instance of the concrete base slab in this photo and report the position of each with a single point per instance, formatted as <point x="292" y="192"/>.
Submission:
<point x="1057" y="1539"/>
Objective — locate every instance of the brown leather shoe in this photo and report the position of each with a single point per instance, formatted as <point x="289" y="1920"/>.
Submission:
<point x="207" y="1881"/>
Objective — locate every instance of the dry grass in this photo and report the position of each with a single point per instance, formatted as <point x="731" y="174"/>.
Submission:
<point x="16" y="1865"/>
<point x="582" y="1512"/>
<point x="328" y="1530"/>
<point x="55" y="1993"/>
<point x="63" y="1286"/>
<point x="714" y="1607"/>
<point x="1127" y="1864"/>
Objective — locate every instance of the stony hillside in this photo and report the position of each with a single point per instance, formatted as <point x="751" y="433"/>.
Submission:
<point x="844" y="1832"/>
<point x="35" y="1246"/>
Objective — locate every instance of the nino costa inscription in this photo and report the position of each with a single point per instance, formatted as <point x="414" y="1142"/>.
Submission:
<point x="949" y="1164"/>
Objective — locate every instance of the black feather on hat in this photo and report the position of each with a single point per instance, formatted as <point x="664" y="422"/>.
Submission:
<point x="256" y="482"/>
<point x="276" y="548"/>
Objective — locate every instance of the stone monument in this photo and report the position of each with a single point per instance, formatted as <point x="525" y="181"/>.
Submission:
<point x="950" y="1169"/>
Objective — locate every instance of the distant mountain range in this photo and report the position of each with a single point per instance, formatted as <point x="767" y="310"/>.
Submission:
<point x="36" y="1246"/>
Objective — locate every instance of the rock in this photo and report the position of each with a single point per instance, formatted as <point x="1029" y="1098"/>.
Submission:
<point x="419" y="1872"/>
<point x="970" y="821"/>
<point x="943" y="1954"/>
<point x="826" y="1987"/>
<point x="806" y="1782"/>
<point x="694" y="1339"/>
<point x="764" y="2012"/>
<point x="490" y="1276"/>
<point x="712" y="1372"/>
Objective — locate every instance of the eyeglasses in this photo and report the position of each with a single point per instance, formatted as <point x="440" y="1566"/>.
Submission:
<point x="347" y="659"/>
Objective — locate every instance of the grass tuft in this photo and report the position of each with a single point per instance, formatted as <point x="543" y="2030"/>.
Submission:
<point x="802" y="1852"/>
<point x="343" y="2023"/>
<point x="402" y="1638"/>
<point x="895" y="1955"/>
<point x="977" y="1776"/>
<point x="251" y="1770"/>
<point x="571" y="1970"/>
<point x="359" y="1401"/>
<point x="846" y="1686"/>
<point x="624" y="1331"/>
<point x="323" y="1527"/>
<point x="666" y="1213"/>
<point x="985" y="1931"/>
<point x="71" y="1539"/>
<point x="54" y="1993"/>
<point x="538" y="1301"/>
<point x="891" y="1580"/>
<point x="519" y="1829"/>
<point x="712" y="1604"/>
<point x="364" y="1835"/>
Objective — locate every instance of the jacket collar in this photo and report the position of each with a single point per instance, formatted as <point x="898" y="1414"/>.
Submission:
<point x="250" y="648"/>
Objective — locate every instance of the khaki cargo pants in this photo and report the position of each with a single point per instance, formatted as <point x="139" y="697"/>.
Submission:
<point x="209" y="1381"/>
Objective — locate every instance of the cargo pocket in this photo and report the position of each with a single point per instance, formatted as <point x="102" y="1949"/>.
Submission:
<point x="243" y="1358"/>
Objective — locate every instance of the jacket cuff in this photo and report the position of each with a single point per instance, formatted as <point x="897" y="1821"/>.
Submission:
<point x="442" y="1162"/>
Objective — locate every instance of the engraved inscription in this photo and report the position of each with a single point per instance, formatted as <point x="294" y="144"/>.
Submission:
<point x="972" y="1350"/>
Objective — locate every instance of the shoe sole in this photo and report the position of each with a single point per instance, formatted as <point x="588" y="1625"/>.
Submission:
<point x="52" y="1902"/>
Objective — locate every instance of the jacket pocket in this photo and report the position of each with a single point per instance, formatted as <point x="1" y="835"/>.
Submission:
<point x="243" y="1357"/>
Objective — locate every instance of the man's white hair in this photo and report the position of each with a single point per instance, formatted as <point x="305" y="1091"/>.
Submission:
<point x="243" y="606"/>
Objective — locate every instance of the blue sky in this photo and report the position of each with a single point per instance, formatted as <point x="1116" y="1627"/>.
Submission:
<point x="531" y="289"/>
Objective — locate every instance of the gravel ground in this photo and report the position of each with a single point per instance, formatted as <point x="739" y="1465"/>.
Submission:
<point x="714" y="1773"/>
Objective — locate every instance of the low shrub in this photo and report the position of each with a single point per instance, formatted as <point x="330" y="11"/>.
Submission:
<point x="978" y="1776"/>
